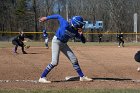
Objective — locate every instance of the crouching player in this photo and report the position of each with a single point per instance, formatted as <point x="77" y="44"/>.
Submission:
<point x="18" y="41"/>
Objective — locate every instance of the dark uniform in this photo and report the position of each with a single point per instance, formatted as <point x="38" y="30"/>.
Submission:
<point x="18" y="41"/>
<point x="120" y="39"/>
<point x="100" y="37"/>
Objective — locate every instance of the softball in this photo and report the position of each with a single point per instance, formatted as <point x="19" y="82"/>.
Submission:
<point x="138" y="69"/>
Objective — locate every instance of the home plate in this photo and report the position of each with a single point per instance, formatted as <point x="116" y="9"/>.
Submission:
<point x="72" y="78"/>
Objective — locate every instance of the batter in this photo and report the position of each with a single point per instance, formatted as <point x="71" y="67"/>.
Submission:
<point x="59" y="43"/>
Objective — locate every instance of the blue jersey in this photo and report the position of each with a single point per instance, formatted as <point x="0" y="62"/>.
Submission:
<point x="45" y="35"/>
<point x="65" y="30"/>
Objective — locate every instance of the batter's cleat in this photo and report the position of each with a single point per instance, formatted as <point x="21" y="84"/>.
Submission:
<point x="44" y="80"/>
<point x="119" y="46"/>
<point x="84" y="78"/>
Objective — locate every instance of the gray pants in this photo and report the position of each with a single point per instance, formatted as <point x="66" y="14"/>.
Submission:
<point x="46" y="41"/>
<point x="58" y="46"/>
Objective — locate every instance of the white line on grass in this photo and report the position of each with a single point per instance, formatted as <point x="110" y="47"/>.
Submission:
<point x="7" y="81"/>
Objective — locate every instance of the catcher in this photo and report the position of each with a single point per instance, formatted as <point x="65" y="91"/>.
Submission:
<point x="18" y="41"/>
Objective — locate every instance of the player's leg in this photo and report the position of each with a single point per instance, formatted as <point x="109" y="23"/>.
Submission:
<point x="55" y="59"/>
<point x="23" y="51"/>
<point x="16" y="46"/>
<point x="119" y="43"/>
<point x="21" y="44"/>
<point x="46" y="42"/>
<point x="71" y="56"/>
<point x="100" y="40"/>
<point x="122" y="43"/>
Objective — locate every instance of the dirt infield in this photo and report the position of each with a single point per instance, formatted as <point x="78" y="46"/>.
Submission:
<point x="109" y="66"/>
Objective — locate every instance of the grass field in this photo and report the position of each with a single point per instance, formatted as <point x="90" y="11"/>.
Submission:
<point x="73" y="91"/>
<point x="45" y="88"/>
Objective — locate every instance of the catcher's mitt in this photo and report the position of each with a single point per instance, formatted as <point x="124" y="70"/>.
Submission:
<point x="137" y="56"/>
<point x="27" y="46"/>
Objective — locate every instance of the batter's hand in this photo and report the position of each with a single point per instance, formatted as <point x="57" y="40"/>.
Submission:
<point x="42" y="19"/>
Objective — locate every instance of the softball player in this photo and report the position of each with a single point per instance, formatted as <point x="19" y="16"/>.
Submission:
<point x="18" y="41"/>
<point x="100" y="37"/>
<point x="45" y="35"/>
<point x="120" y="39"/>
<point x="59" y="43"/>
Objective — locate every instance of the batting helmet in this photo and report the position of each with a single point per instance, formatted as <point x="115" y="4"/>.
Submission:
<point x="77" y="22"/>
<point x="137" y="56"/>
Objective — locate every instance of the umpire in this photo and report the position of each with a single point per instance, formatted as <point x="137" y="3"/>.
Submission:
<point x="120" y="39"/>
<point x="18" y="41"/>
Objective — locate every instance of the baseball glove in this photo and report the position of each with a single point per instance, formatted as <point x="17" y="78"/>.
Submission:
<point x="27" y="46"/>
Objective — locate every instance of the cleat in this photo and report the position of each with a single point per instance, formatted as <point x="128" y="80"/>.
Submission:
<point x="24" y="52"/>
<point x="44" y="80"/>
<point x="85" y="79"/>
<point x="119" y="46"/>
